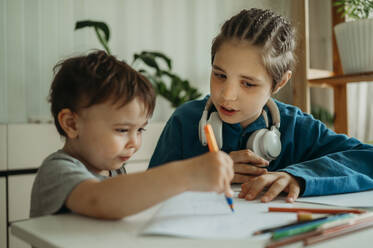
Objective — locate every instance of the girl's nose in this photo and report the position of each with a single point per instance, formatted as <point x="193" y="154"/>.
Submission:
<point x="230" y="91"/>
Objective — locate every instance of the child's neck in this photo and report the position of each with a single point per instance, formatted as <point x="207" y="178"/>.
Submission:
<point x="68" y="148"/>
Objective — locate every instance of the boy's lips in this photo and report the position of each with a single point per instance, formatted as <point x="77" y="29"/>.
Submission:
<point x="227" y="111"/>
<point x="124" y="158"/>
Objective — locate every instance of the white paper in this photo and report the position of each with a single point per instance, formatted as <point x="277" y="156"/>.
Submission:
<point x="207" y="215"/>
<point x="357" y="200"/>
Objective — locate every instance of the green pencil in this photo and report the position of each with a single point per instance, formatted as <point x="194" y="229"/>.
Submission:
<point x="306" y="227"/>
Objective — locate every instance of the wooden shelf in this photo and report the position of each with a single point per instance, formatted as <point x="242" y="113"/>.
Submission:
<point x="318" y="73"/>
<point x="339" y="85"/>
<point x="342" y="79"/>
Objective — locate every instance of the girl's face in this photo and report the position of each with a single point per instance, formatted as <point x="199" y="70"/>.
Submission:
<point x="107" y="136"/>
<point x="240" y="84"/>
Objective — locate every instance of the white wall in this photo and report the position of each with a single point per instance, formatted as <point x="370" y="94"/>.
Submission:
<point x="35" y="34"/>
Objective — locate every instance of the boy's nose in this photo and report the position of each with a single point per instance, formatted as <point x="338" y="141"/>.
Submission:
<point x="133" y="142"/>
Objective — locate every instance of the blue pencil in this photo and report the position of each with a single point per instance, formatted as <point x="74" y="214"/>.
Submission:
<point x="230" y="202"/>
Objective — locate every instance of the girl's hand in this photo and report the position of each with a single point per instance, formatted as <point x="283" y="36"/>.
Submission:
<point x="246" y="165"/>
<point x="212" y="171"/>
<point x="276" y="181"/>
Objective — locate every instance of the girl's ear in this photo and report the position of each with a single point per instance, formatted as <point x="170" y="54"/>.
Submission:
<point x="285" y="78"/>
<point x="67" y="120"/>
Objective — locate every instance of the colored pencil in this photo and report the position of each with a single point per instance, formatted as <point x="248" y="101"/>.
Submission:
<point x="356" y="218"/>
<point x="293" y="224"/>
<point x="292" y="239"/>
<point x="213" y="147"/>
<point x="304" y="216"/>
<point x="328" y="230"/>
<point x="317" y="210"/>
<point x="339" y="230"/>
<point x="305" y="227"/>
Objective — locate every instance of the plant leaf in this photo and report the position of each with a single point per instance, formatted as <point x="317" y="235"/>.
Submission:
<point x="94" y="24"/>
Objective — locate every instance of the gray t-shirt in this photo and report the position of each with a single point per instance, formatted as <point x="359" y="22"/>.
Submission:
<point x="58" y="175"/>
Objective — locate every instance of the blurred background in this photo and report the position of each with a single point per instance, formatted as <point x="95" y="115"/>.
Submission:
<point x="36" y="34"/>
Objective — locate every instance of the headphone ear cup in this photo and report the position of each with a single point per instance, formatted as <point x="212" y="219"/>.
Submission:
<point x="217" y="127"/>
<point x="271" y="143"/>
<point x="253" y="143"/>
<point x="201" y="125"/>
<point x="265" y="143"/>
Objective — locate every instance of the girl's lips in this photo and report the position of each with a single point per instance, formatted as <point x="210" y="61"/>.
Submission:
<point x="227" y="112"/>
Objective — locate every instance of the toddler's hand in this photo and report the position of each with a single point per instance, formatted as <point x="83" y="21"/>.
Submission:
<point x="246" y="165"/>
<point x="276" y="181"/>
<point x="211" y="172"/>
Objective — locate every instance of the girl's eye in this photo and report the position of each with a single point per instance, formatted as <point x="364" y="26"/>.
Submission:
<point x="220" y="75"/>
<point x="121" y="130"/>
<point x="247" y="84"/>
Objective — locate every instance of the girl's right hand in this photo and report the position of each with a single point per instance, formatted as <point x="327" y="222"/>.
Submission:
<point x="212" y="171"/>
<point x="246" y="165"/>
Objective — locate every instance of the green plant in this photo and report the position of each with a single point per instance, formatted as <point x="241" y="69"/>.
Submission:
<point x="166" y="83"/>
<point x="355" y="9"/>
<point x="322" y="114"/>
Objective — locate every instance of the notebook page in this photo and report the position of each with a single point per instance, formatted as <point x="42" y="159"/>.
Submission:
<point x="207" y="215"/>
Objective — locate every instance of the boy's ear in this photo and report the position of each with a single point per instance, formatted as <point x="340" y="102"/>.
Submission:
<point x="285" y="78"/>
<point x="67" y="121"/>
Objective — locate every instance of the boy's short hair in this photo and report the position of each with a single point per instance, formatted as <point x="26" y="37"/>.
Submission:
<point x="84" y="81"/>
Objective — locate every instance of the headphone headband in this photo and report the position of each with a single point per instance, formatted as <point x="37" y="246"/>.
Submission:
<point x="275" y="113"/>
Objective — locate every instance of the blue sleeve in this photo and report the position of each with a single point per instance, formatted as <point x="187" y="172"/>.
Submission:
<point x="169" y="146"/>
<point x="329" y="163"/>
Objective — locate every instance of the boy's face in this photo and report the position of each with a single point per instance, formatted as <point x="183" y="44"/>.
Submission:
<point x="240" y="85"/>
<point x="107" y="135"/>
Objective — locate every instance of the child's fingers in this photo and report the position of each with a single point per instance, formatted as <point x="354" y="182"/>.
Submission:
<point x="294" y="191"/>
<point x="276" y="188"/>
<point x="238" y="178"/>
<point x="245" y="187"/>
<point x="249" y="157"/>
<point x="258" y="184"/>
<point x="249" y="169"/>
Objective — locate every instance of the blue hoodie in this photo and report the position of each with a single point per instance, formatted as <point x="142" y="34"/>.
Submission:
<point x="324" y="162"/>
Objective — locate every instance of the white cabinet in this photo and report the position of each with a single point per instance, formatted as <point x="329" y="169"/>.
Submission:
<point x="29" y="144"/>
<point x="19" y="191"/>
<point x="3" y="216"/>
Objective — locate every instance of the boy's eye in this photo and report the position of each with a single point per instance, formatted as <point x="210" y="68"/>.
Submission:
<point x="121" y="130"/>
<point x="220" y="75"/>
<point x="141" y="130"/>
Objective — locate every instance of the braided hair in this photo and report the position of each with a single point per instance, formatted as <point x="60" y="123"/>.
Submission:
<point x="265" y="29"/>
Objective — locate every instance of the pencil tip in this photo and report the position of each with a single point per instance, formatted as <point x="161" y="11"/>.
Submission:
<point x="231" y="206"/>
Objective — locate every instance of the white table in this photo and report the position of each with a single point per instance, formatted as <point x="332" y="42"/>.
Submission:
<point x="71" y="230"/>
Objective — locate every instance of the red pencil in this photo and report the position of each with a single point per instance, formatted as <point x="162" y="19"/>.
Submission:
<point x="316" y="210"/>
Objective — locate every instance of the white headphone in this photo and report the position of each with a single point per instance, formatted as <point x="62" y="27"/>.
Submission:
<point x="264" y="142"/>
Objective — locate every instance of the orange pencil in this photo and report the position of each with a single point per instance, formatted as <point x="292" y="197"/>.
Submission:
<point x="317" y="210"/>
<point x="213" y="147"/>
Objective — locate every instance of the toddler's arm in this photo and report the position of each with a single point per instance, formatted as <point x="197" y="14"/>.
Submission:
<point x="125" y="195"/>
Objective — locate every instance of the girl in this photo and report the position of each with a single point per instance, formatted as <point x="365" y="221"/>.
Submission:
<point x="274" y="146"/>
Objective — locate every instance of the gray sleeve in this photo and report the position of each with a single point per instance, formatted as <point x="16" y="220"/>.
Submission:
<point x="56" y="178"/>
